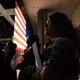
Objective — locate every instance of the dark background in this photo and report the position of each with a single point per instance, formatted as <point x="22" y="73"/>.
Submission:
<point x="6" y="29"/>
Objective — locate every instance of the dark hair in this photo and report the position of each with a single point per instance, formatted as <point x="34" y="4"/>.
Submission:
<point x="11" y="45"/>
<point x="32" y="38"/>
<point x="60" y="20"/>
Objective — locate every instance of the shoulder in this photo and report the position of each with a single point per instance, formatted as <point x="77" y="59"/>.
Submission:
<point x="62" y="49"/>
<point x="62" y="45"/>
<point x="63" y="41"/>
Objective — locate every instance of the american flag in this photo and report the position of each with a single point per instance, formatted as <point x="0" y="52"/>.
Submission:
<point x="20" y="30"/>
<point x="17" y="58"/>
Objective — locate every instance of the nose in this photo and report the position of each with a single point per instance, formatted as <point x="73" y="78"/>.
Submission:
<point x="46" y="26"/>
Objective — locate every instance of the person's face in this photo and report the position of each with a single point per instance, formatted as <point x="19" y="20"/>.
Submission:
<point x="47" y="27"/>
<point x="51" y="30"/>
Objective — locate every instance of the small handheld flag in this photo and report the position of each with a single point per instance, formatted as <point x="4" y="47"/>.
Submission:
<point x="17" y="58"/>
<point x="37" y="57"/>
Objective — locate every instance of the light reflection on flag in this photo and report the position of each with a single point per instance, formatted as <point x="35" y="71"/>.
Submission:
<point x="19" y="30"/>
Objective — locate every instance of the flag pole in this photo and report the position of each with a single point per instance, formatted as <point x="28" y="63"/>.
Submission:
<point x="37" y="57"/>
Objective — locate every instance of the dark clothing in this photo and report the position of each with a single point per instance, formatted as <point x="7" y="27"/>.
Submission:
<point x="46" y="54"/>
<point x="27" y="72"/>
<point x="63" y="63"/>
<point x="29" y="57"/>
<point x="3" y="69"/>
<point x="11" y="73"/>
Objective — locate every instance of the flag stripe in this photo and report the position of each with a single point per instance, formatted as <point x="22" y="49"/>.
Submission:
<point x="19" y="45"/>
<point x="19" y="41"/>
<point x="20" y="50"/>
<point x="15" y="31"/>
<point x="19" y="14"/>
<point x="19" y="23"/>
<point x="19" y="29"/>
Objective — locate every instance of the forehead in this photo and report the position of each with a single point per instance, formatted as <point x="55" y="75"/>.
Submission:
<point x="48" y="22"/>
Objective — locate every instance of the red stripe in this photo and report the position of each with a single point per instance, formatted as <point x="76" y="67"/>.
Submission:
<point x="16" y="39"/>
<point x="19" y="34"/>
<point x="18" y="23"/>
<point x="19" y="11"/>
<point x="20" y="50"/>
<point x="21" y="14"/>
<point x="20" y="28"/>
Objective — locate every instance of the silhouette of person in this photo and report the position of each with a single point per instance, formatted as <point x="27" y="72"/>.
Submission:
<point x="11" y="49"/>
<point x="29" y="67"/>
<point x="63" y="61"/>
<point x="3" y="72"/>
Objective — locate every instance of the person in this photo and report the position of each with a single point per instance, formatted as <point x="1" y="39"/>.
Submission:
<point x="11" y="50"/>
<point x="28" y="67"/>
<point x="3" y="69"/>
<point x="63" y="61"/>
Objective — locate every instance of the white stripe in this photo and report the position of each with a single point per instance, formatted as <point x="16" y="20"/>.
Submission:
<point x="20" y="18"/>
<point x="21" y="33"/>
<point x="19" y="38"/>
<point x="19" y="45"/>
<point x="20" y="25"/>
<point x="21" y="28"/>
<point x="22" y="15"/>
